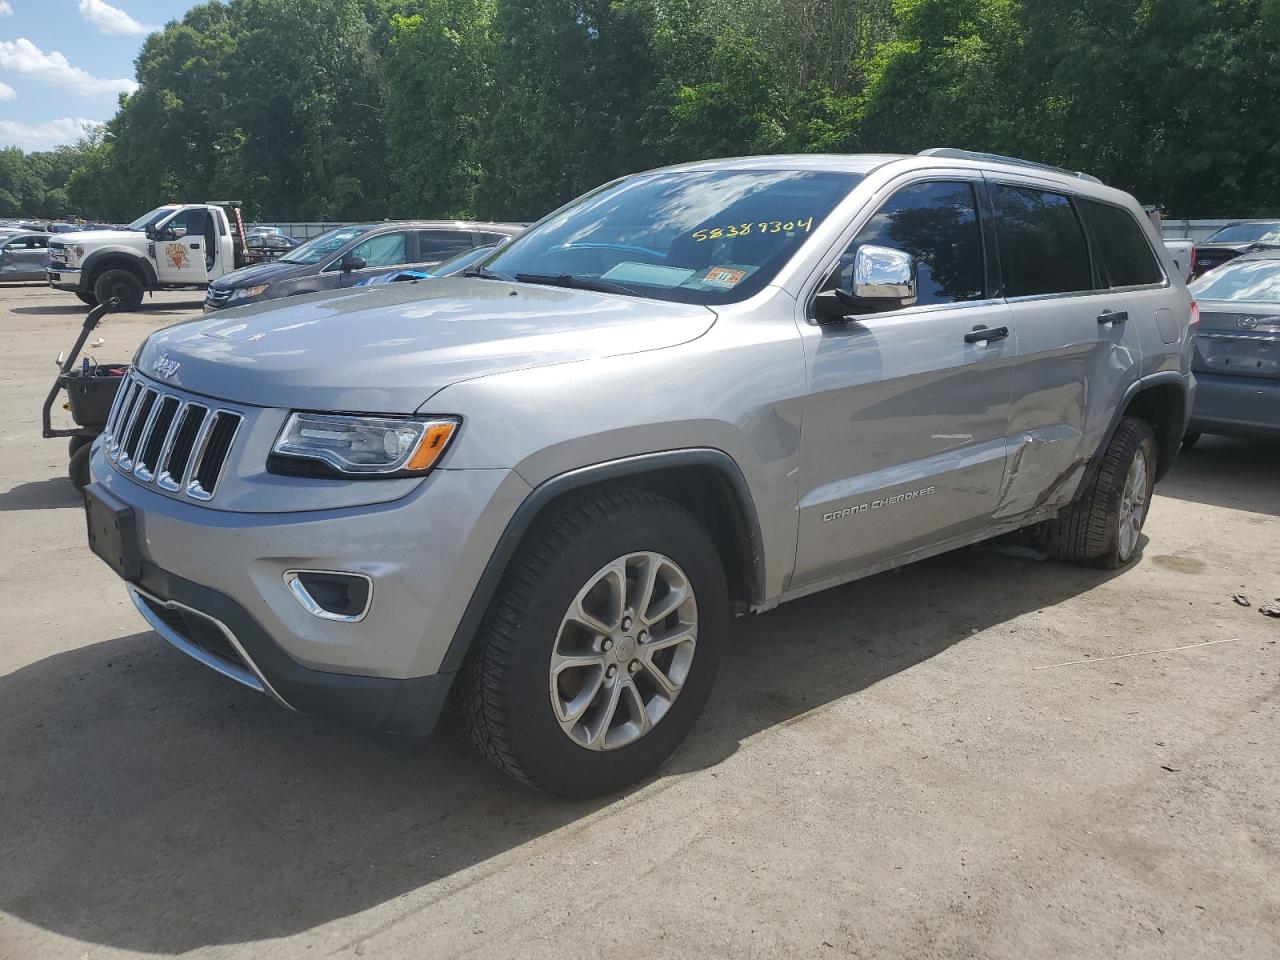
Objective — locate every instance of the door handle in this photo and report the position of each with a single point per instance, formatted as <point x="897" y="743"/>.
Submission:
<point x="982" y="334"/>
<point x="1113" y="316"/>
<point x="195" y="246"/>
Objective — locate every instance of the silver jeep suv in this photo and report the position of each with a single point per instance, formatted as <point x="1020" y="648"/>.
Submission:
<point x="546" y="485"/>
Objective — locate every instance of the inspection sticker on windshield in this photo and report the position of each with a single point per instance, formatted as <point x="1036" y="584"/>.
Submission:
<point x="724" y="277"/>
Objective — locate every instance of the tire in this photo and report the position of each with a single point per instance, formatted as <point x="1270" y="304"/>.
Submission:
<point x="78" y="467"/>
<point x="506" y="689"/>
<point x="88" y="299"/>
<point x="120" y="284"/>
<point x="1103" y="527"/>
<point x="75" y="443"/>
<point x="1190" y="440"/>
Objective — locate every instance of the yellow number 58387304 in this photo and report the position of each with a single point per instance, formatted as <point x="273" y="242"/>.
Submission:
<point x="729" y="231"/>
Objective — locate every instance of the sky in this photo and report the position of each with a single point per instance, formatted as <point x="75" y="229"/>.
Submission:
<point x="63" y="63"/>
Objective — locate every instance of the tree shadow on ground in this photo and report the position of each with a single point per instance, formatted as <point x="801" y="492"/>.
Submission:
<point x="149" y="804"/>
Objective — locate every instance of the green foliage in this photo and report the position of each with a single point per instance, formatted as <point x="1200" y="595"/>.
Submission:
<point x="438" y="80"/>
<point x="353" y="109"/>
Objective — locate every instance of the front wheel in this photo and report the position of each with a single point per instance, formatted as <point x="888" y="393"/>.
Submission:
<point x="88" y="299"/>
<point x="78" y="467"/>
<point x="601" y="647"/>
<point x="1104" y="526"/>
<point x="122" y="285"/>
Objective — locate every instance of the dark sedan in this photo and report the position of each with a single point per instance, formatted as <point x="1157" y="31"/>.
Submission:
<point x="345" y="256"/>
<point x="1232" y="241"/>
<point x="1237" y="360"/>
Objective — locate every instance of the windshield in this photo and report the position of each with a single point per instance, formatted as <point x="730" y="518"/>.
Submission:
<point x="1256" y="280"/>
<point x="707" y="237"/>
<point x="322" y="247"/>
<point x="1247" y="233"/>
<point x="150" y="219"/>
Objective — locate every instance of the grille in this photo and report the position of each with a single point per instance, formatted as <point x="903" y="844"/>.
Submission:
<point x="216" y="297"/>
<point x="180" y="445"/>
<point x="197" y="631"/>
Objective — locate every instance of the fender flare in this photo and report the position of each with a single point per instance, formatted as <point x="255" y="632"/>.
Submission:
<point x="149" y="278"/>
<point x="532" y="505"/>
<point x="1172" y="442"/>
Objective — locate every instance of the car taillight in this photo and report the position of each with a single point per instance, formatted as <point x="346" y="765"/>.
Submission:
<point x="1195" y="318"/>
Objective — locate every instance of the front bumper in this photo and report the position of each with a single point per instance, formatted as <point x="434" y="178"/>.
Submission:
<point x="424" y="553"/>
<point x="1235" y="405"/>
<point x="221" y="634"/>
<point x="63" y="278"/>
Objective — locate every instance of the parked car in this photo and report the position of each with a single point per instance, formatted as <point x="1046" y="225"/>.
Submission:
<point x="692" y="392"/>
<point x="1233" y="240"/>
<point x="447" y="268"/>
<point x="1237" y="360"/>
<point x="23" y="256"/>
<point x="274" y="242"/>
<point x="345" y="256"/>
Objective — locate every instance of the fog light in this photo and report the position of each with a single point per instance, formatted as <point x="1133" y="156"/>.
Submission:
<point x="331" y="594"/>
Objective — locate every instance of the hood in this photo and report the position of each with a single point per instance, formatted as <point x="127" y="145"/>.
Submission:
<point x="97" y="236"/>
<point x="387" y="349"/>
<point x="261" y="273"/>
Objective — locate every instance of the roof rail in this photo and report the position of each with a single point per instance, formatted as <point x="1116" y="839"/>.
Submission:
<point x="951" y="153"/>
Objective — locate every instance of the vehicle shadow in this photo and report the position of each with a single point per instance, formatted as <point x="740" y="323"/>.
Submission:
<point x="151" y="805"/>
<point x="77" y="309"/>
<point x="1228" y="472"/>
<point x="51" y="494"/>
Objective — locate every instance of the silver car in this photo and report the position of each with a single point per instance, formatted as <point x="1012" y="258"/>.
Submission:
<point x="1237" y="361"/>
<point x="23" y="255"/>
<point x="547" y="485"/>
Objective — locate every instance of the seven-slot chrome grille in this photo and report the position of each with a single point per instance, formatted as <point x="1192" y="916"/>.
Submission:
<point x="179" y="445"/>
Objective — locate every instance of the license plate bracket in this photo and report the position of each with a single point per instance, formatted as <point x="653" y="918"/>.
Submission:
<point x="113" y="534"/>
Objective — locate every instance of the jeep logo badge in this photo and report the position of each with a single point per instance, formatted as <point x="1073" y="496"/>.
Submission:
<point x="165" y="367"/>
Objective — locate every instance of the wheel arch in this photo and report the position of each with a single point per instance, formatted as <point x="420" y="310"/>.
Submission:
<point x="706" y="481"/>
<point x="101" y="260"/>
<point x="1160" y="400"/>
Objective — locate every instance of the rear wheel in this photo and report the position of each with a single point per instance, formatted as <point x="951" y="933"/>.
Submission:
<point x="1103" y="528"/>
<point x="601" y="647"/>
<point x="121" y="284"/>
<point x="87" y="298"/>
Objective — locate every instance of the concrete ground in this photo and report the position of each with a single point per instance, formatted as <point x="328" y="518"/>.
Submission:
<point x="918" y="765"/>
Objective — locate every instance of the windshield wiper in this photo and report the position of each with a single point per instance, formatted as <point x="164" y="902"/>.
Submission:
<point x="482" y="274"/>
<point x="577" y="282"/>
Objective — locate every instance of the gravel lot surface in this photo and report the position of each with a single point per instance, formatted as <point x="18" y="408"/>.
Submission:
<point x="918" y="765"/>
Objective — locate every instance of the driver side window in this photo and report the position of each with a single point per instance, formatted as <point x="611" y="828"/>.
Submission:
<point x="188" y="223"/>
<point x="386" y="250"/>
<point x="937" y="223"/>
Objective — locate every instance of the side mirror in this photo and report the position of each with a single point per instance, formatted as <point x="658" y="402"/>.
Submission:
<point x="882" y="278"/>
<point x="150" y="231"/>
<point x="352" y="262"/>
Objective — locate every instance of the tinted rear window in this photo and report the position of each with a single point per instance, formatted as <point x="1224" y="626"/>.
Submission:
<point x="1119" y="245"/>
<point x="1042" y="245"/>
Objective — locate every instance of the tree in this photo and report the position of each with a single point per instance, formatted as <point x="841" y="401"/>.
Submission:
<point x="438" y="82"/>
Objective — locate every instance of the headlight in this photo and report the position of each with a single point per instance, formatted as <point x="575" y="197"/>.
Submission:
<point x="360" y="446"/>
<point x="79" y="251"/>
<point x="243" y="293"/>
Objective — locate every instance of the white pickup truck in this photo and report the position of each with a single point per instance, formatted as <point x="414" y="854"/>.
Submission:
<point x="177" y="246"/>
<point x="1184" y="256"/>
